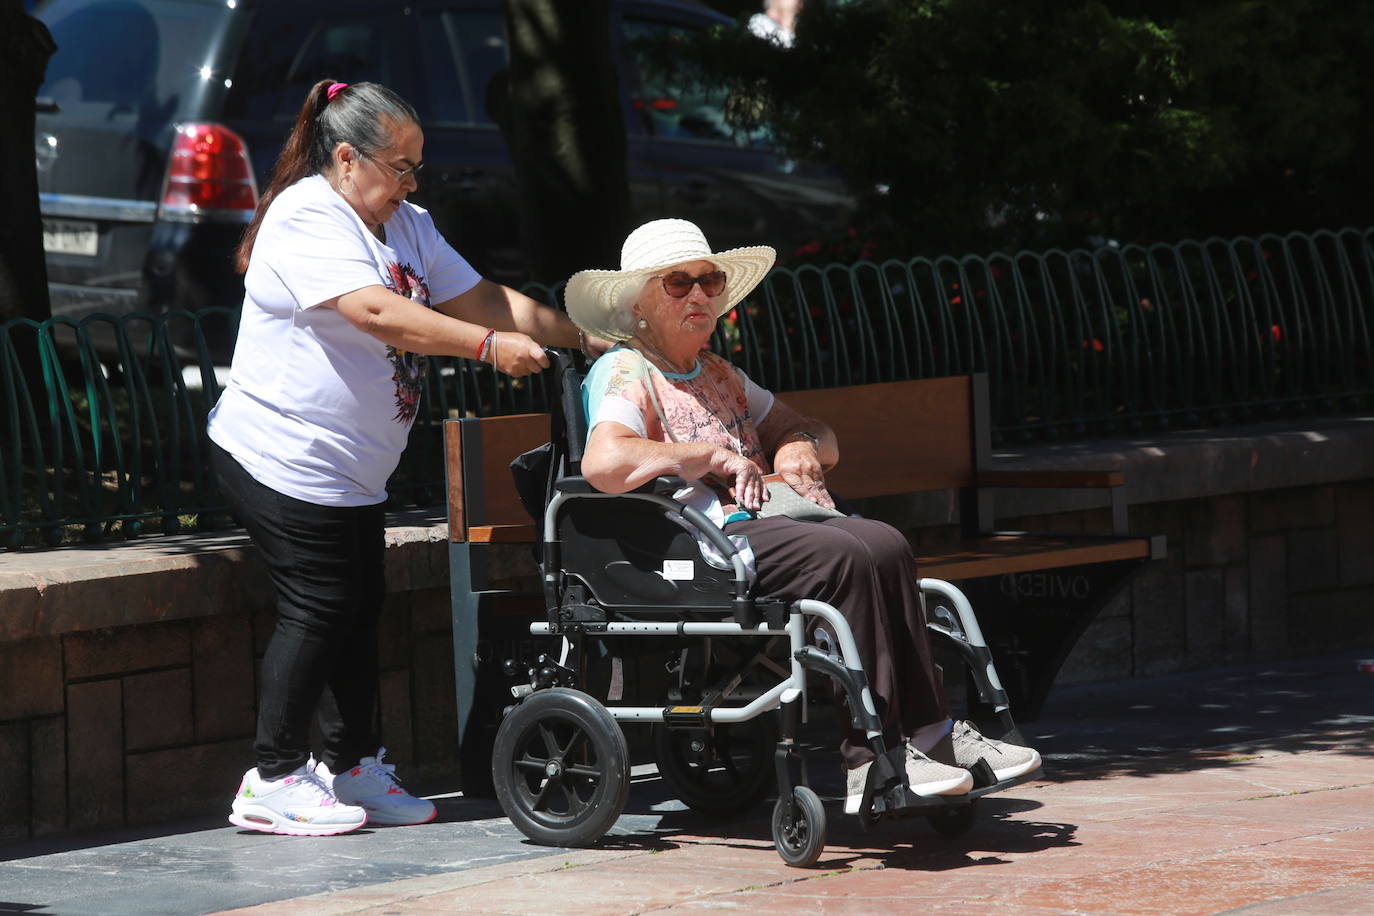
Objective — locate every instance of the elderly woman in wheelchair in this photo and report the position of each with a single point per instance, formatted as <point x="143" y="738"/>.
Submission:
<point x="666" y="417"/>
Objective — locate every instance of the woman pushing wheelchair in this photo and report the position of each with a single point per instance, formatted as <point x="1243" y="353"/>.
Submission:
<point x="661" y="404"/>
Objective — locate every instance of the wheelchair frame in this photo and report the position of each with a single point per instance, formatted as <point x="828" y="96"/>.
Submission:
<point x="560" y="764"/>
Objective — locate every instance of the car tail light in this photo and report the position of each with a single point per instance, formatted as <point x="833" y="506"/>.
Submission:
<point x="209" y="173"/>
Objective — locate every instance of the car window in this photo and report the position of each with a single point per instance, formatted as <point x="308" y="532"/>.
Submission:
<point x="483" y="52"/>
<point x="449" y="100"/>
<point x="680" y="105"/>
<point x="462" y="51"/>
<point x="129" y="61"/>
<point x="360" y="49"/>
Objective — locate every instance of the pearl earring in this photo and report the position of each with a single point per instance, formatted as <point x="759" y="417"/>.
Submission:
<point x="643" y="324"/>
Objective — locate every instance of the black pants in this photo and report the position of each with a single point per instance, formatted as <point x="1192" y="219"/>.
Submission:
<point x="327" y="564"/>
<point x="864" y="568"/>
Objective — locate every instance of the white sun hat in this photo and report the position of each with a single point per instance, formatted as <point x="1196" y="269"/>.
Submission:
<point x="599" y="301"/>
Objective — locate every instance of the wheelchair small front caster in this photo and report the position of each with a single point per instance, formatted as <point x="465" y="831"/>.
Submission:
<point x="801" y="837"/>
<point x="561" y="768"/>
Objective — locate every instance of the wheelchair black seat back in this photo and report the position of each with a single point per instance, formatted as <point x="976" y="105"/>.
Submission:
<point x="624" y="551"/>
<point x="624" y="567"/>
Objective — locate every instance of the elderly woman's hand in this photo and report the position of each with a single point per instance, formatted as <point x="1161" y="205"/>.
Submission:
<point x="742" y="475"/>
<point x="799" y="464"/>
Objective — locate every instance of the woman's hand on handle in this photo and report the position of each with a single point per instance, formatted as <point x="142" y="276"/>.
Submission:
<point x="516" y="354"/>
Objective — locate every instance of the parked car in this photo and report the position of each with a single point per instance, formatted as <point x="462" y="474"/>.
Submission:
<point x="160" y="119"/>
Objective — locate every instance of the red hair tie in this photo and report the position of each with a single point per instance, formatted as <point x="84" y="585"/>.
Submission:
<point x="334" y="89"/>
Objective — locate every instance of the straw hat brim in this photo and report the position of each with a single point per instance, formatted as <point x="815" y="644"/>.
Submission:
<point x="594" y="297"/>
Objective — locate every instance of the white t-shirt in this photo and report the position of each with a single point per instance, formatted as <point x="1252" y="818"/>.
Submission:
<point x="315" y="408"/>
<point x="764" y="26"/>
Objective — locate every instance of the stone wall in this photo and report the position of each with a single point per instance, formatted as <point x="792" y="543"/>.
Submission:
<point x="127" y="672"/>
<point x="1249" y="577"/>
<point x="148" y="714"/>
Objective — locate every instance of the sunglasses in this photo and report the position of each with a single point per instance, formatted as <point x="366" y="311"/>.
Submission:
<point x="679" y="283"/>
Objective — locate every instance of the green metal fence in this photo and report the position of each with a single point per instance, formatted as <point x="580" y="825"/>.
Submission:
<point x="103" y="436"/>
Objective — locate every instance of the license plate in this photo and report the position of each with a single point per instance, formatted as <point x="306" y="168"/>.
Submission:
<point x="70" y="236"/>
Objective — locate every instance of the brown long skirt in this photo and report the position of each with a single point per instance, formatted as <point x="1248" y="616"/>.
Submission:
<point x="864" y="568"/>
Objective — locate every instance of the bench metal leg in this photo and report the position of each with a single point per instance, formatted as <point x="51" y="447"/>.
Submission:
<point x="1032" y="622"/>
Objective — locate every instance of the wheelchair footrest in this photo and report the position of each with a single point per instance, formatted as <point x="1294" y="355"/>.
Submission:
<point x="901" y="802"/>
<point x="979" y="791"/>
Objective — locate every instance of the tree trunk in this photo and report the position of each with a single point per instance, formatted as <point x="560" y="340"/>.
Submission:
<point x="564" y="127"/>
<point x="25" y="46"/>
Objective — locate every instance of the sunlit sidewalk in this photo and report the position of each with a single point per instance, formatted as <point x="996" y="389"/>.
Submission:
<point x="1148" y="809"/>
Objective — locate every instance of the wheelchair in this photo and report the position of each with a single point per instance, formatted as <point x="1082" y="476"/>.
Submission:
<point x="630" y="567"/>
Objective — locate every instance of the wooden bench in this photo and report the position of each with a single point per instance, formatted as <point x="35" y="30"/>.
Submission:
<point x="1034" y="593"/>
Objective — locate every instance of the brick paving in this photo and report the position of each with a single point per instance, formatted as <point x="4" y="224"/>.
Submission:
<point x="1279" y="822"/>
<point x="1246" y="789"/>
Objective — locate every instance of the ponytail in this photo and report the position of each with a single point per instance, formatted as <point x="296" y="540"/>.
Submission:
<point x="363" y="115"/>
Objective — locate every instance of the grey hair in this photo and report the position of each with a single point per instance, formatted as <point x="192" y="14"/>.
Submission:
<point x="623" y="318"/>
<point x="362" y="115"/>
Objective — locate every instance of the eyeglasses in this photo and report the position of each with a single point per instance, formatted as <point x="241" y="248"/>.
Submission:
<point x="679" y="283"/>
<point x="400" y="174"/>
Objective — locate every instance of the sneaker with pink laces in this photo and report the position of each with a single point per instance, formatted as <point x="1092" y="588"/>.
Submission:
<point x="373" y="786"/>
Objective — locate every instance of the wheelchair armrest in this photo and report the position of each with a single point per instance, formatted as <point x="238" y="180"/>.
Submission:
<point x="659" y="486"/>
<point x="662" y="486"/>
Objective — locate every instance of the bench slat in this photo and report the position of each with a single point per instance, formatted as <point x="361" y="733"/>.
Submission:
<point x="1051" y="478"/>
<point x="994" y="556"/>
<point x="503" y="534"/>
<point x="1004" y="554"/>
<point x="895" y="437"/>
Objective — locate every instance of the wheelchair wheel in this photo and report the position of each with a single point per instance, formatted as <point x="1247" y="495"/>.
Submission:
<point x="801" y="838"/>
<point x="955" y="820"/>
<point x="561" y="768"/>
<point x="721" y="771"/>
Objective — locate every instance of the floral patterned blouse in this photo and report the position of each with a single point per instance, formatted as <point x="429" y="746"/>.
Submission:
<point x="715" y="403"/>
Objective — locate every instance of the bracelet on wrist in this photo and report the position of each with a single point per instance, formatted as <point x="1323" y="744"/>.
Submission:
<point x="485" y="345"/>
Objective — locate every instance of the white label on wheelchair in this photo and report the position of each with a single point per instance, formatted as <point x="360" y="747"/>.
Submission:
<point x="679" y="570"/>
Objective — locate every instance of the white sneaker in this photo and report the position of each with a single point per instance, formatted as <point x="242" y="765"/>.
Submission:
<point x="1007" y="760"/>
<point x="296" y="805"/>
<point x="373" y="786"/>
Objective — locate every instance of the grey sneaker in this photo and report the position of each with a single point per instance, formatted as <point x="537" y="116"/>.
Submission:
<point x="1007" y="760"/>
<point x="925" y="776"/>
<point x="373" y="786"/>
<point x="855" y="780"/>
<point x="854" y="787"/>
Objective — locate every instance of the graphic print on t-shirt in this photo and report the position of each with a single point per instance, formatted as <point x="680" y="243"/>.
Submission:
<point x="410" y="367"/>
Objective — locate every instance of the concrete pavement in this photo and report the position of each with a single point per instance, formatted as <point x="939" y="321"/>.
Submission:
<point x="1249" y="788"/>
